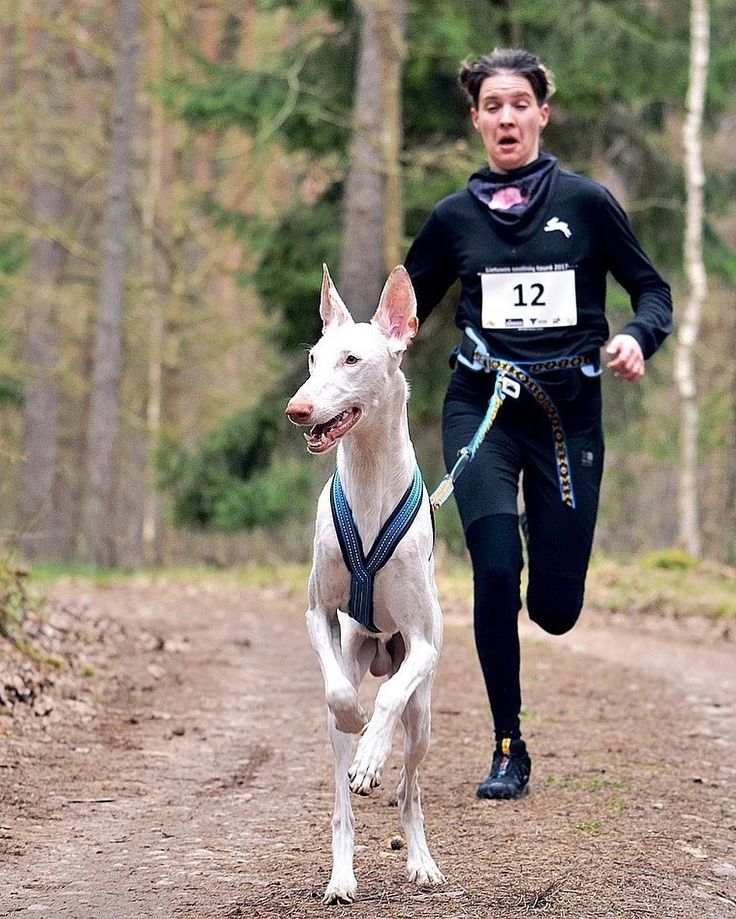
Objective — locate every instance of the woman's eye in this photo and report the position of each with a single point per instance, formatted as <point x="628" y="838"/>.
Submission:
<point x="351" y="359"/>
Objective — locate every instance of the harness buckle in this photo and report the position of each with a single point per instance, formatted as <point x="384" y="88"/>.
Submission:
<point x="510" y="387"/>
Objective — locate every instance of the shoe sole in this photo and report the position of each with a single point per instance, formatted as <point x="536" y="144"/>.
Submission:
<point x="522" y="794"/>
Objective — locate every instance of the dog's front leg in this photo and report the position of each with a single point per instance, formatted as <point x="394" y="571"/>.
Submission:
<point x="340" y="694"/>
<point x="375" y="744"/>
<point x="357" y="653"/>
<point x="342" y="886"/>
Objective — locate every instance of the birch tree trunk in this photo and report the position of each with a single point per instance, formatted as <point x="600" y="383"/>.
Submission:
<point x="372" y="211"/>
<point x="688" y="523"/>
<point x="98" y="536"/>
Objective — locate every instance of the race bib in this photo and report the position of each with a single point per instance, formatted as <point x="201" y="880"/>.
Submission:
<point x="529" y="299"/>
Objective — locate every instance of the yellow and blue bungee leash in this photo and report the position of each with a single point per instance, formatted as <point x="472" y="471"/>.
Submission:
<point x="510" y="377"/>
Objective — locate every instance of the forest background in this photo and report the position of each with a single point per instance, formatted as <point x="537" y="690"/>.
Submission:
<point x="173" y="174"/>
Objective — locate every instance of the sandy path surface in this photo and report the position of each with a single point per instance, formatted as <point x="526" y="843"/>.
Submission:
<point x="191" y="776"/>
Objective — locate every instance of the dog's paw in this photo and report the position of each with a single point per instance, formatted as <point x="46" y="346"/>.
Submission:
<point x="350" y="717"/>
<point x="340" y="890"/>
<point x="424" y="871"/>
<point x="370" y="758"/>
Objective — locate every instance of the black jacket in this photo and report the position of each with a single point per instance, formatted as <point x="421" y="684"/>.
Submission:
<point x="575" y="225"/>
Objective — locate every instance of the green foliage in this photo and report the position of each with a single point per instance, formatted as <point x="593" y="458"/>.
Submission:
<point x="234" y="481"/>
<point x="670" y="559"/>
<point x="289" y="275"/>
<point x="268" y="498"/>
<point x="338" y="9"/>
<point x="617" y="52"/>
<point x="663" y="583"/>
<point x="303" y="98"/>
<point x="13" y="255"/>
<point x="722" y="63"/>
<point x="719" y="257"/>
<point x="231" y="96"/>
<point x="11" y="391"/>
<point x="229" y="484"/>
<point x="621" y="69"/>
<point x="14" y="599"/>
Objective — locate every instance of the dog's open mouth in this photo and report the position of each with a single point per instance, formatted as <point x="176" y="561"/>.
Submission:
<point x="323" y="437"/>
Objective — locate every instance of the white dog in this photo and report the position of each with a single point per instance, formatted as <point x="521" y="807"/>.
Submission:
<point x="356" y="397"/>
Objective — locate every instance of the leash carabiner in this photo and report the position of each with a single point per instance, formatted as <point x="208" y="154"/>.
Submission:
<point x="447" y="485"/>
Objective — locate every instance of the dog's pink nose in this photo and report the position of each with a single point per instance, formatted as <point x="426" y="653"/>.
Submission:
<point x="299" y="412"/>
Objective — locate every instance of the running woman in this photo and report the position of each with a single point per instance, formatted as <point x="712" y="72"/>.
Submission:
<point x="531" y="244"/>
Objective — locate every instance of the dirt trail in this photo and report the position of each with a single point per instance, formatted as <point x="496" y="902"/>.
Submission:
<point x="191" y="775"/>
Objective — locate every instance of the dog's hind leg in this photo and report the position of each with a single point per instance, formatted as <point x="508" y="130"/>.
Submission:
<point x="375" y="744"/>
<point x="420" y="866"/>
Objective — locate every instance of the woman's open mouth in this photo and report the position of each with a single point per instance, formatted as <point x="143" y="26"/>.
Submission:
<point x="322" y="437"/>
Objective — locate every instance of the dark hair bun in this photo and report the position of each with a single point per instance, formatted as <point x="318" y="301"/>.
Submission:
<point x="513" y="60"/>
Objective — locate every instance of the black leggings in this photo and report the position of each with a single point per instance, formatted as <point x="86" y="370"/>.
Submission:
<point x="560" y="538"/>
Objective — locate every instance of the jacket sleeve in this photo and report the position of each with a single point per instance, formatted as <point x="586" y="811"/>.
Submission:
<point x="650" y="294"/>
<point x="430" y="264"/>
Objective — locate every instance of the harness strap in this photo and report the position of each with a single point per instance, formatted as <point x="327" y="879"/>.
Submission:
<point x="363" y="569"/>
<point x="473" y="354"/>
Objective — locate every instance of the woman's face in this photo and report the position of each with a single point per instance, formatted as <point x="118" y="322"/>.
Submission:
<point x="509" y="120"/>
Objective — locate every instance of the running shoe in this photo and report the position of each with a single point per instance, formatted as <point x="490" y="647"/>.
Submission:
<point x="510" y="771"/>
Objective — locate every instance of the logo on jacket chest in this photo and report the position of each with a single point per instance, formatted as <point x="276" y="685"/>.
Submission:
<point x="554" y="223"/>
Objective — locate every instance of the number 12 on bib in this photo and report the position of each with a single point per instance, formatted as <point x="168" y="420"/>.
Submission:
<point x="529" y="300"/>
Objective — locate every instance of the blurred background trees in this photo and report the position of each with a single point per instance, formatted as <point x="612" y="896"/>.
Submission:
<point x="268" y="137"/>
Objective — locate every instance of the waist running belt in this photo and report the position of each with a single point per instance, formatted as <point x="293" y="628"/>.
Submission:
<point x="363" y="569"/>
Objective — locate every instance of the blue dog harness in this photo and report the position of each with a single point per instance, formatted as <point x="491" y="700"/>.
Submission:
<point x="363" y="570"/>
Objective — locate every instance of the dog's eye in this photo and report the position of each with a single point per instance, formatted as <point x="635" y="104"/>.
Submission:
<point x="351" y="359"/>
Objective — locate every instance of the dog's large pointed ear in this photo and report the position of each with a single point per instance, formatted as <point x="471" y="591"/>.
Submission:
<point x="396" y="315"/>
<point x="331" y="308"/>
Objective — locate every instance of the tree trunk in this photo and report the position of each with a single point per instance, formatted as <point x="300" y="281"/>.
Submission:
<point x="154" y="297"/>
<point x="688" y="524"/>
<point x="99" y="546"/>
<point x="49" y="204"/>
<point x="41" y="407"/>
<point x="207" y="18"/>
<point x="391" y="19"/>
<point x="372" y="210"/>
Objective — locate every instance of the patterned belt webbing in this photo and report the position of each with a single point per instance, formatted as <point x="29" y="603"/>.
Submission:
<point x="521" y="374"/>
<point x="363" y="570"/>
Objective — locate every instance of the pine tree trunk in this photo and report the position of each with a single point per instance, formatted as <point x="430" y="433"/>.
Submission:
<point x="155" y="299"/>
<point x="41" y="407"/>
<point x="391" y="17"/>
<point x="49" y="203"/>
<point x="372" y="210"/>
<point x="688" y="524"/>
<point x="99" y="545"/>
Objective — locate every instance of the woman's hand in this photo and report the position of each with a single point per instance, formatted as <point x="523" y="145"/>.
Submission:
<point x="628" y="360"/>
